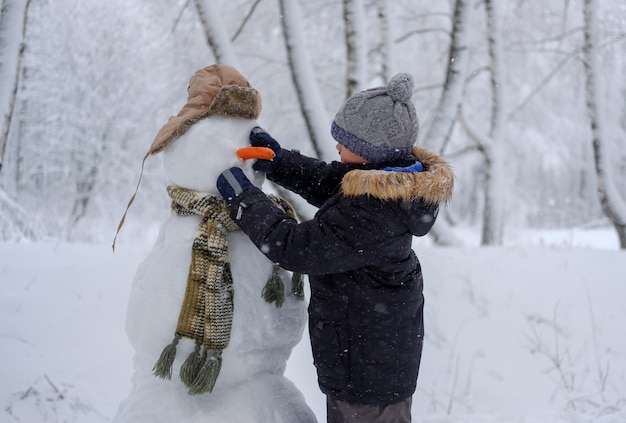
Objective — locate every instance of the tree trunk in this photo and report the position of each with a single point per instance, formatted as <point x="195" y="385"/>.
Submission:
<point x="356" y="45"/>
<point x="440" y="130"/>
<point x="493" y="214"/>
<point x="13" y="20"/>
<point x="491" y="144"/>
<point x="80" y="204"/>
<point x="384" y="47"/>
<point x="612" y="202"/>
<point x="216" y="35"/>
<point x="309" y="97"/>
<point x="438" y="134"/>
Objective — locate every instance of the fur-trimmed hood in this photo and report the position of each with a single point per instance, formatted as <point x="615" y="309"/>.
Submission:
<point x="433" y="185"/>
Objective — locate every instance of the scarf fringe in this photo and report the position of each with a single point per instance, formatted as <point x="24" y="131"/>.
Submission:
<point x="163" y="366"/>
<point x="191" y="367"/>
<point x="274" y="289"/>
<point x="207" y="375"/>
<point x="297" y="286"/>
<point x="199" y="372"/>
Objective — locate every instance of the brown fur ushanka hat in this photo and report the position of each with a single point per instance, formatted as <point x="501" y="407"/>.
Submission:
<point x="216" y="90"/>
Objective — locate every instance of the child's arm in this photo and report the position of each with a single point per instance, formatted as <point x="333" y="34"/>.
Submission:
<point x="314" y="180"/>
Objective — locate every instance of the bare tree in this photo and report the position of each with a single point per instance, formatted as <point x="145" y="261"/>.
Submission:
<point x="13" y="21"/>
<point x="84" y="188"/>
<point x="612" y="202"/>
<point x="439" y="132"/>
<point x="16" y="223"/>
<point x="356" y="45"/>
<point x="384" y="46"/>
<point x="491" y="144"/>
<point x="493" y="214"/>
<point x="309" y="97"/>
<point x="216" y="35"/>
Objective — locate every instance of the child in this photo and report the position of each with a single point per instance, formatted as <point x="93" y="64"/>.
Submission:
<point x="366" y="307"/>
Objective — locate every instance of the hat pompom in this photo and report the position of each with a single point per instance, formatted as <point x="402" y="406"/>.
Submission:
<point x="400" y="88"/>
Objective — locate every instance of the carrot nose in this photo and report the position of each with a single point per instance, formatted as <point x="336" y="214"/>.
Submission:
<point x="263" y="153"/>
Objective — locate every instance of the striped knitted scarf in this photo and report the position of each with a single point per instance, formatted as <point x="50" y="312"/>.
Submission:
<point x="207" y="311"/>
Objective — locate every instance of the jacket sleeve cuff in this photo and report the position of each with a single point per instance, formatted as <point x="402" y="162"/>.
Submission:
<point x="252" y="210"/>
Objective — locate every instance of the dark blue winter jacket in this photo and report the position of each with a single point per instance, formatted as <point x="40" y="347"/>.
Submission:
<point x="366" y="307"/>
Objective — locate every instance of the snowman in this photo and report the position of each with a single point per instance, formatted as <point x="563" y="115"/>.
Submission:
<point x="211" y="320"/>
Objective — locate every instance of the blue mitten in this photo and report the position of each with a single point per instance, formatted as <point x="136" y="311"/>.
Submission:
<point x="231" y="183"/>
<point x="260" y="138"/>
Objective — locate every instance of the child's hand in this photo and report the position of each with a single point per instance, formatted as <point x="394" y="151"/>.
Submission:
<point x="231" y="183"/>
<point x="260" y="138"/>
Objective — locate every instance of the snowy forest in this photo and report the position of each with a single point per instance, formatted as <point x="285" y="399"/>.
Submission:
<point x="526" y="99"/>
<point x="523" y="270"/>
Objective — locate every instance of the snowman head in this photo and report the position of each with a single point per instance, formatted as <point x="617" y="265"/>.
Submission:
<point x="206" y="149"/>
<point x="216" y="90"/>
<point x="216" y="121"/>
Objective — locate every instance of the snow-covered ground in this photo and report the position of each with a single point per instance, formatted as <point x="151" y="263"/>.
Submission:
<point x="532" y="332"/>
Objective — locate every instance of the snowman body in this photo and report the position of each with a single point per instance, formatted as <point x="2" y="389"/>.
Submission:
<point x="251" y="386"/>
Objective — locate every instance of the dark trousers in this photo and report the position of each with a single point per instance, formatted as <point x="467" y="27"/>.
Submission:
<point x="344" y="412"/>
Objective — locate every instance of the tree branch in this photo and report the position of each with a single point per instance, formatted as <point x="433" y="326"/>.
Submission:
<point x="421" y="31"/>
<point x="541" y="84"/>
<point x="180" y="14"/>
<point x="245" y="21"/>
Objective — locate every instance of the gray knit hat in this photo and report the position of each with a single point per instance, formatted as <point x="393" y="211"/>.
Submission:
<point x="379" y="124"/>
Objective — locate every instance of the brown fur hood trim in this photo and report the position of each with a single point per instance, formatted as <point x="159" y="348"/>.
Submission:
<point x="434" y="185"/>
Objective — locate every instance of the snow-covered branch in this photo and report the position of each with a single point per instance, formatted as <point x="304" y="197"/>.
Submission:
<point x="215" y="31"/>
